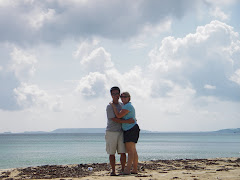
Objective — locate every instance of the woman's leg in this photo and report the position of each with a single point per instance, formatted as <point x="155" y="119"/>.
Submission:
<point x="135" y="161"/>
<point x="130" y="147"/>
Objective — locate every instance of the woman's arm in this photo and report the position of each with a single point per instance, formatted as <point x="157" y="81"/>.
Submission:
<point x="120" y="114"/>
<point x="129" y="121"/>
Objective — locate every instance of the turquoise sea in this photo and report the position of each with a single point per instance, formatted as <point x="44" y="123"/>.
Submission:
<point x="23" y="150"/>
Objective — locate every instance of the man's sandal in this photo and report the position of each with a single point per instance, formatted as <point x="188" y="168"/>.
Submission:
<point x="124" y="173"/>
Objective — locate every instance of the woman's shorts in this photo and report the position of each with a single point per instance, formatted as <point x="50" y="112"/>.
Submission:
<point x="132" y="134"/>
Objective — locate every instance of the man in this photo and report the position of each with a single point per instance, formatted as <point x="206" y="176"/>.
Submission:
<point x="114" y="133"/>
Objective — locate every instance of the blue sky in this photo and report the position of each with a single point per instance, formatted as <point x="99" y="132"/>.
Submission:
<point x="178" y="59"/>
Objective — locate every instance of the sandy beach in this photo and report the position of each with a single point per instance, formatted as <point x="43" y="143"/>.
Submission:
<point x="187" y="169"/>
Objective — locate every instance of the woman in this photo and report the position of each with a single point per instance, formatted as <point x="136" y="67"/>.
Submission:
<point x="131" y="132"/>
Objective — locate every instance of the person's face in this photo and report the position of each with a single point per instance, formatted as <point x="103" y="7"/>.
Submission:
<point x="125" y="99"/>
<point x="115" y="95"/>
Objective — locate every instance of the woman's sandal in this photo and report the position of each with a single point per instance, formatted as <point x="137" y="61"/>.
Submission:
<point x="113" y="174"/>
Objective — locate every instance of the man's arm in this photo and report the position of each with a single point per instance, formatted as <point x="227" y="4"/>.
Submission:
<point x="129" y="121"/>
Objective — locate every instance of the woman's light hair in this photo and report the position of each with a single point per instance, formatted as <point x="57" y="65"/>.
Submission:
<point x="126" y="94"/>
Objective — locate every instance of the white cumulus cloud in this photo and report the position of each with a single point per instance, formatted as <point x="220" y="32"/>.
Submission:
<point x="23" y="64"/>
<point x="208" y="56"/>
<point x="30" y="95"/>
<point x="98" y="60"/>
<point x="236" y="77"/>
<point x="85" y="48"/>
<point x="219" y="14"/>
<point x="208" y="86"/>
<point x="93" y="85"/>
<point x="38" y="17"/>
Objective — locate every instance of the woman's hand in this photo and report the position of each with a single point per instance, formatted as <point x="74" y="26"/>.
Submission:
<point x="112" y="104"/>
<point x="120" y="114"/>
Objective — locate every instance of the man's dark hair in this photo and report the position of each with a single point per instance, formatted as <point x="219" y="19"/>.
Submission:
<point x="114" y="88"/>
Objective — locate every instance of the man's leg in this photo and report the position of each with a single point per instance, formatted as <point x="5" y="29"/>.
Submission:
<point x="123" y="160"/>
<point x="112" y="163"/>
<point x="121" y="150"/>
<point x="111" y="146"/>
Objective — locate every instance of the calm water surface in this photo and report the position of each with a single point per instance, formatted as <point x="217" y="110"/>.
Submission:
<point x="23" y="150"/>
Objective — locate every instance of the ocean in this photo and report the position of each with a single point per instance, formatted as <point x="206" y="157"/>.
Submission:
<point x="24" y="150"/>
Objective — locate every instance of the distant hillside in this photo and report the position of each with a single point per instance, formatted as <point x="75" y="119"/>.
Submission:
<point x="86" y="130"/>
<point x="79" y="130"/>
<point x="236" y="130"/>
<point x="34" y="132"/>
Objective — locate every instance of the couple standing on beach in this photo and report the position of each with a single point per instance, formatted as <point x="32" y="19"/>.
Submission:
<point x="122" y="132"/>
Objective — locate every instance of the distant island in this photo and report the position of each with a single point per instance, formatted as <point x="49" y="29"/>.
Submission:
<point x="102" y="130"/>
<point x="237" y="130"/>
<point x="71" y="130"/>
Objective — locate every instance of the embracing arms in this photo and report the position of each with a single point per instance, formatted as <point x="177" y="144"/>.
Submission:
<point x="129" y="121"/>
<point x="120" y="114"/>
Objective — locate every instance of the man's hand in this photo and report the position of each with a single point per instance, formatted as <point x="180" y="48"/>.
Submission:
<point x="129" y="121"/>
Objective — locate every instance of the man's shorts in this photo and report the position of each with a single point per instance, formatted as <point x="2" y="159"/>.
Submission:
<point x="132" y="134"/>
<point x="114" y="142"/>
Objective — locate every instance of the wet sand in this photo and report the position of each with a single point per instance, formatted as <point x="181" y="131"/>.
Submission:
<point x="187" y="169"/>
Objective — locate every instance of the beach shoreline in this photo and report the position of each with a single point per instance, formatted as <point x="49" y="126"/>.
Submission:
<point x="194" y="169"/>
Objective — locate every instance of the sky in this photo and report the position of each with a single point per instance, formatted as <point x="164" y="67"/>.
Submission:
<point x="179" y="60"/>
